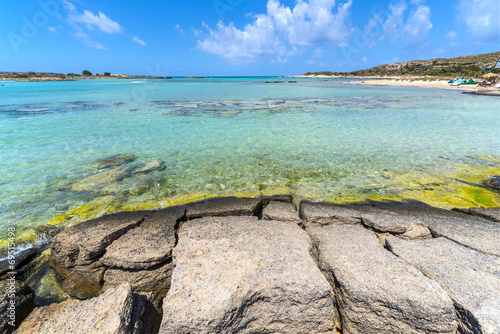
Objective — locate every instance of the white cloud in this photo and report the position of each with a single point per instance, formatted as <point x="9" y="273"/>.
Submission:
<point x="196" y="32"/>
<point x="364" y="59"/>
<point x="394" y="22"/>
<point x="410" y="29"/>
<point x="81" y="35"/>
<point x="100" y="21"/>
<point x="139" y="41"/>
<point x="481" y="18"/>
<point x="179" y="30"/>
<point x="256" y="39"/>
<point x="52" y="29"/>
<point x="309" y="23"/>
<point x="69" y="6"/>
<point x="91" y="22"/>
<point x="451" y="35"/>
<point x="418" y="26"/>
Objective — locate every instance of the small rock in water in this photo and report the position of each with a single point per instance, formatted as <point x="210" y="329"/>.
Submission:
<point x="105" y="181"/>
<point x="115" y="160"/>
<point x="150" y="166"/>
<point x="494" y="183"/>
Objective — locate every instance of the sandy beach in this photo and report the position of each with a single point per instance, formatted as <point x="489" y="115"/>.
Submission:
<point x="442" y="84"/>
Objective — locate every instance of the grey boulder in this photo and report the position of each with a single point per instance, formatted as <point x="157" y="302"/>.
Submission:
<point x="377" y="292"/>
<point x="318" y="214"/>
<point x="148" y="245"/>
<point x="476" y="233"/>
<point x="243" y="275"/>
<point x="471" y="279"/>
<point x="281" y="211"/>
<point x="75" y="251"/>
<point x="488" y="213"/>
<point x="224" y="206"/>
<point x="114" y="312"/>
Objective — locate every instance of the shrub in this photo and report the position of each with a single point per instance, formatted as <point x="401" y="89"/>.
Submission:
<point x="87" y="73"/>
<point x="107" y="74"/>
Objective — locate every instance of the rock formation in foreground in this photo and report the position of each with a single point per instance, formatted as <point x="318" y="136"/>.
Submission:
<point x="241" y="265"/>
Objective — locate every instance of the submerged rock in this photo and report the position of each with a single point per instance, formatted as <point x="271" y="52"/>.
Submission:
<point x="471" y="279"/>
<point x="377" y="292"/>
<point x="16" y="303"/>
<point x="149" y="167"/>
<point x="105" y="181"/>
<point x="240" y="274"/>
<point x="115" y="311"/>
<point x="115" y="160"/>
<point x="494" y="183"/>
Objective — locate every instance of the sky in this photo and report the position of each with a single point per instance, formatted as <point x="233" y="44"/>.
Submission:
<point x="239" y="37"/>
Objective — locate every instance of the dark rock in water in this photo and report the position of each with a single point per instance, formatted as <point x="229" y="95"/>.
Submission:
<point x="243" y="275"/>
<point x="281" y="211"/>
<point x="115" y="160"/>
<point x="21" y="258"/>
<point x="18" y="292"/>
<point x="376" y="291"/>
<point x="224" y="206"/>
<point x="494" y="183"/>
<point x="74" y="251"/>
<point x="115" y="311"/>
<point x="470" y="278"/>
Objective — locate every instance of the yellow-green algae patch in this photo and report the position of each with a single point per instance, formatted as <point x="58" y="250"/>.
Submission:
<point x="43" y="282"/>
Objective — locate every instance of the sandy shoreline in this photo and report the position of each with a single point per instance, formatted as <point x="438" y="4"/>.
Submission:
<point x="410" y="82"/>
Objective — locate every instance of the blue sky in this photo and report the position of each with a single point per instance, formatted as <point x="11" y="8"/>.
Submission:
<point x="239" y="37"/>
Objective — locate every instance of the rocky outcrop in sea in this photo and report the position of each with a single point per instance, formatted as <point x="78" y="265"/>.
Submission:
<point x="248" y="265"/>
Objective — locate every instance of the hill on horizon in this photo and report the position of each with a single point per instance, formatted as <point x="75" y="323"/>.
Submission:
<point x="470" y="66"/>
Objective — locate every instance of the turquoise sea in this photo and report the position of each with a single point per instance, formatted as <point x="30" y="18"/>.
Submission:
<point x="186" y="139"/>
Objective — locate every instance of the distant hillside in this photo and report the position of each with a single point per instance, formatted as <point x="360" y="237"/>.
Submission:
<point x="470" y="66"/>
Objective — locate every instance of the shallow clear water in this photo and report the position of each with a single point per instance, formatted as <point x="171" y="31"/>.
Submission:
<point x="319" y="140"/>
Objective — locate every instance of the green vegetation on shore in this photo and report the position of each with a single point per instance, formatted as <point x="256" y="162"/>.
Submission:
<point x="466" y="66"/>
